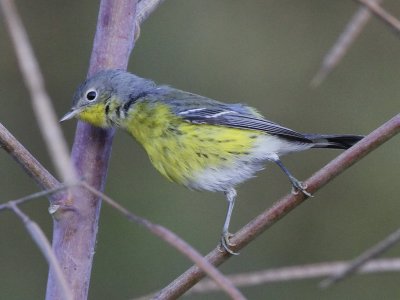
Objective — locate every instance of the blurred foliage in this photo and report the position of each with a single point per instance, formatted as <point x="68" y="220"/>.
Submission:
<point x="263" y="53"/>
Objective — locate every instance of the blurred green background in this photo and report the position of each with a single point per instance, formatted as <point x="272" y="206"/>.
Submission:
<point x="263" y="53"/>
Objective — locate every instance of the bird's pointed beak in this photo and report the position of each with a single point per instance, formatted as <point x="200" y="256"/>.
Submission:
<point x="69" y="115"/>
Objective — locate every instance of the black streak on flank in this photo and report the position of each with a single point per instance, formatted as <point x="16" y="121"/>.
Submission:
<point x="118" y="111"/>
<point x="175" y="130"/>
<point x="199" y="154"/>
<point x="107" y="109"/>
<point x="235" y="152"/>
<point x="133" y="99"/>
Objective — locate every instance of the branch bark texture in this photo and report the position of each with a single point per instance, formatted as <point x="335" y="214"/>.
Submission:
<point x="76" y="221"/>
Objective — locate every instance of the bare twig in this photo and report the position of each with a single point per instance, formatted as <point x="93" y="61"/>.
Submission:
<point x="343" y="43"/>
<point x="176" y="242"/>
<point x="387" y="18"/>
<point x="34" y="196"/>
<point x="31" y="166"/>
<point x="363" y="258"/>
<point x="292" y="273"/>
<point x="41" y="102"/>
<point x="298" y="273"/>
<point x="41" y="241"/>
<point x="282" y="207"/>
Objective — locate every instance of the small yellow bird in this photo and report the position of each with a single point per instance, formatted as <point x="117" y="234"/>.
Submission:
<point x="192" y="140"/>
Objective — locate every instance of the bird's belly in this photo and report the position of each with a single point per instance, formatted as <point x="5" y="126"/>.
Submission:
<point x="224" y="177"/>
<point x="205" y="157"/>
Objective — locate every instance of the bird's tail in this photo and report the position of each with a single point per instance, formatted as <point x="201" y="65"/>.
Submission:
<point x="334" y="141"/>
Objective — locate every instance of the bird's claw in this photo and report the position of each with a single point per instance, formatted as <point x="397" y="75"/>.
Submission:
<point x="300" y="186"/>
<point x="226" y="244"/>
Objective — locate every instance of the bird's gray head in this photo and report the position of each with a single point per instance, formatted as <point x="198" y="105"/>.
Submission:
<point x="92" y="95"/>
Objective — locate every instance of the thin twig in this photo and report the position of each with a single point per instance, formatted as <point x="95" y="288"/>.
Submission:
<point x="176" y="242"/>
<point x="363" y="258"/>
<point x="292" y="273"/>
<point x="298" y="273"/>
<point x="35" y="196"/>
<point x="387" y="18"/>
<point x="41" y="241"/>
<point x="31" y="166"/>
<point x="343" y="43"/>
<point x="41" y="102"/>
<point x="282" y="207"/>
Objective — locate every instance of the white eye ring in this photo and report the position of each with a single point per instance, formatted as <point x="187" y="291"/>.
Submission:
<point x="91" y="95"/>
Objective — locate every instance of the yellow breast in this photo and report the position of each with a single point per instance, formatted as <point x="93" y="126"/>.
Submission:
<point x="179" y="149"/>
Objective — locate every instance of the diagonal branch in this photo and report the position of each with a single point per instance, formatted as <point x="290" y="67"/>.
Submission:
<point x="378" y="11"/>
<point x="343" y="43"/>
<point x="363" y="259"/>
<point x="292" y="273"/>
<point x="41" y="241"/>
<point x="298" y="273"/>
<point x="26" y="160"/>
<point x="283" y="206"/>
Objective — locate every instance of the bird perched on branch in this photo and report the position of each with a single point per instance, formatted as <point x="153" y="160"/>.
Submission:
<point x="192" y="140"/>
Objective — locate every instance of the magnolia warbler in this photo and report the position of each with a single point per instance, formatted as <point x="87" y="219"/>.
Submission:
<point x="192" y="140"/>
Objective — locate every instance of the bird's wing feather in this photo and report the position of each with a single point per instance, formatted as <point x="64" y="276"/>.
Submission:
<point x="229" y="115"/>
<point x="234" y="119"/>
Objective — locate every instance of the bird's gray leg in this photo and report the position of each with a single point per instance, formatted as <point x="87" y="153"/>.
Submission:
<point x="230" y="197"/>
<point x="297" y="185"/>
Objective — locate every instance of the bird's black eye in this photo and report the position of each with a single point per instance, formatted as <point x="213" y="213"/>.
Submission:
<point x="91" y="95"/>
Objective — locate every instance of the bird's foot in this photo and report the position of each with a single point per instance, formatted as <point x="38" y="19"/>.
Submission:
<point x="226" y="244"/>
<point x="299" y="186"/>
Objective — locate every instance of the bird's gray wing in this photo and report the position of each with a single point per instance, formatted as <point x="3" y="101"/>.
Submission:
<point x="237" y="116"/>
<point x="197" y="109"/>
